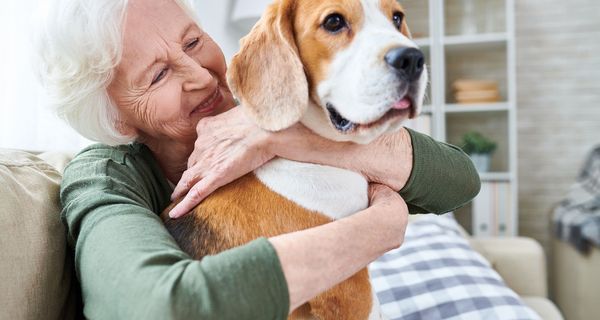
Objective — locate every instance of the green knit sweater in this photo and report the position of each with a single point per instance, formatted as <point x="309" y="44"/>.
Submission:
<point x="130" y="267"/>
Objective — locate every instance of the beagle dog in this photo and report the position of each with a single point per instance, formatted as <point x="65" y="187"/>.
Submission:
<point x="349" y="71"/>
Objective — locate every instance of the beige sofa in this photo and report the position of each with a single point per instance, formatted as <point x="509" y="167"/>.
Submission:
<point x="576" y="282"/>
<point x="37" y="280"/>
<point x="36" y="271"/>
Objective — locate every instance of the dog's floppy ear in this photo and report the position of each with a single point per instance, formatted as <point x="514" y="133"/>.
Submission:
<point x="267" y="74"/>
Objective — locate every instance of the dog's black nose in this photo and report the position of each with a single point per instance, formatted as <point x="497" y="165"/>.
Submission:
<point x="409" y="61"/>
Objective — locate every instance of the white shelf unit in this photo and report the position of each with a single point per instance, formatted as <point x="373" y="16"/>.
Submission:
<point x="478" y="39"/>
<point x="484" y="107"/>
<point x="487" y="54"/>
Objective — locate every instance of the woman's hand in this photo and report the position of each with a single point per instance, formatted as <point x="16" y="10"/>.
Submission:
<point x="391" y="207"/>
<point x="228" y="146"/>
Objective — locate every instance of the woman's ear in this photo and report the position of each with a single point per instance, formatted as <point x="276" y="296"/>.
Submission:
<point x="267" y="74"/>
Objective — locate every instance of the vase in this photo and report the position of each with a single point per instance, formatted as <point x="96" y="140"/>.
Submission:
<point x="481" y="161"/>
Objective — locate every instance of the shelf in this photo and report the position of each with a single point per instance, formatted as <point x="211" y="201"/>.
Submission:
<point x="486" y="61"/>
<point x="487" y="39"/>
<point x="493" y="125"/>
<point x="494" y="176"/>
<point x="486" y="107"/>
<point x="473" y="43"/>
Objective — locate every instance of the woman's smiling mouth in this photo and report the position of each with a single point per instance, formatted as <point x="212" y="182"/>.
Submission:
<point x="209" y="104"/>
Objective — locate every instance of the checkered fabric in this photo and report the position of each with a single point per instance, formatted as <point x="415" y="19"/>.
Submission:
<point x="437" y="275"/>
<point x="577" y="217"/>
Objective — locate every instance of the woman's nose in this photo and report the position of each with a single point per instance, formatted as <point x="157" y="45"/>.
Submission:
<point x="196" y="76"/>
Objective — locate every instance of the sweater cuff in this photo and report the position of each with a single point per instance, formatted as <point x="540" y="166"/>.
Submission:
<point x="263" y="287"/>
<point x="410" y="189"/>
<point x="415" y="146"/>
<point x="442" y="178"/>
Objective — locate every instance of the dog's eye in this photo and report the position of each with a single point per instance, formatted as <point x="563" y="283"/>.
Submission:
<point x="334" y="23"/>
<point x="398" y="18"/>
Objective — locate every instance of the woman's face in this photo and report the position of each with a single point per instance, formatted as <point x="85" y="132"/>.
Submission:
<point x="170" y="76"/>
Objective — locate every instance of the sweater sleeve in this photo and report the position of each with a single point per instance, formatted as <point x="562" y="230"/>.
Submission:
<point x="130" y="267"/>
<point x="443" y="177"/>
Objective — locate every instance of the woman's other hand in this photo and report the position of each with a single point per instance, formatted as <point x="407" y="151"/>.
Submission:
<point x="390" y="207"/>
<point x="228" y="146"/>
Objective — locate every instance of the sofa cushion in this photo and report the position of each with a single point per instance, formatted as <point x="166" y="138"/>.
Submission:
<point x="435" y="274"/>
<point x="36" y="271"/>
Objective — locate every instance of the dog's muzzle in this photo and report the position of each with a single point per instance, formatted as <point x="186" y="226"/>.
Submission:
<point x="408" y="64"/>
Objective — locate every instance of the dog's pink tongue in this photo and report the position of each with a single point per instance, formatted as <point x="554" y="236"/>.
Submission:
<point x="402" y="104"/>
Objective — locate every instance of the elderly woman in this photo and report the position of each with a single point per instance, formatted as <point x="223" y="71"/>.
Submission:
<point x="140" y="77"/>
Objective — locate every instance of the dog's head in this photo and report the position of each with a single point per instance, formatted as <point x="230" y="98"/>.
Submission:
<point x="347" y="69"/>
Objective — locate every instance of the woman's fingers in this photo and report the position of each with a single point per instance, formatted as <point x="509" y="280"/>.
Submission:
<point x="379" y="193"/>
<point x="391" y="208"/>
<point x="228" y="146"/>
<point x="196" y="194"/>
<point x="189" y="178"/>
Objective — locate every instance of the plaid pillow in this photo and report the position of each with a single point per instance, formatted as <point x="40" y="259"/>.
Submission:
<point x="437" y="275"/>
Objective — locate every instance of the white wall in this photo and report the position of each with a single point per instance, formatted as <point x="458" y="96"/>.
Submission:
<point x="25" y="122"/>
<point x="558" y="78"/>
<point x="214" y="17"/>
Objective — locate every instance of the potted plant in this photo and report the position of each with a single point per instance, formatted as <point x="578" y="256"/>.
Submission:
<point x="479" y="148"/>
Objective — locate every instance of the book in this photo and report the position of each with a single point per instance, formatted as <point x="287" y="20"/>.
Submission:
<point x="475" y="91"/>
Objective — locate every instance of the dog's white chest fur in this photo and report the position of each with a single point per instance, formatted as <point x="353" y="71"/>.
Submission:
<point x="335" y="192"/>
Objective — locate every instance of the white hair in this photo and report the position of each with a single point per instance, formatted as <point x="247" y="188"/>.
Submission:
<point x="78" y="45"/>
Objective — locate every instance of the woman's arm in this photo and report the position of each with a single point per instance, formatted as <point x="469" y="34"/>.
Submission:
<point x="316" y="259"/>
<point x="130" y="267"/>
<point x="387" y="160"/>
<point x="431" y="176"/>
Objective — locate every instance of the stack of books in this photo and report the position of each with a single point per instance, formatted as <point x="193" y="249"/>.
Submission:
<point x="475" y="91"/>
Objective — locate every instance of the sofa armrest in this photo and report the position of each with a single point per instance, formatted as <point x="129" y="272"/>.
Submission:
<point x="519" y="261"/>
<point x="58" y="160"/>
<point x="543" y="307"/>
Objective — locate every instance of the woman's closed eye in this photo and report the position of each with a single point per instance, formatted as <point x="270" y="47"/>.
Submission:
<point x="160" y="75"/>
<point x="191" y="44"/>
